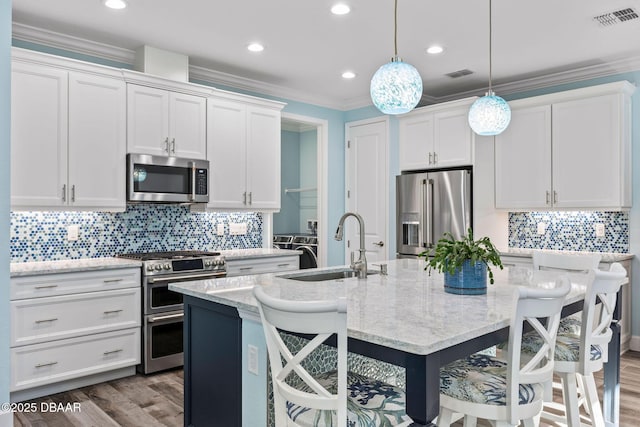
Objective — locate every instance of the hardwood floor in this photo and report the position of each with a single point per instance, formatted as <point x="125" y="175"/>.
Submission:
<point x="157" y="400"/>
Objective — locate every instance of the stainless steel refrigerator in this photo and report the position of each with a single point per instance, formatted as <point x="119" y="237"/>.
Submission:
<point x="430" y="204"/>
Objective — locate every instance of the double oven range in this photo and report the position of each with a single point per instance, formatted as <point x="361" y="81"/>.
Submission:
<point x="162" y="309"/>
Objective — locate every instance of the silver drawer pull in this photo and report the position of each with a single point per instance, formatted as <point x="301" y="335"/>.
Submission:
<point x="167" y="317"/>
<point x="283" y="265"/>
<point x="246" y="268"/>
<point x="507" y="264"/>
<point x="112" y="311"/>
<point x="47" y="320"/>
<point x="42" y="365"/>
<point x="112" y="280"/>
<point x="106" y="353"/>
<point x="46" y="286"/>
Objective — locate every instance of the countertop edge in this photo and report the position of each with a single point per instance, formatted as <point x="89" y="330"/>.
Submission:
<point x="18" y="269"/>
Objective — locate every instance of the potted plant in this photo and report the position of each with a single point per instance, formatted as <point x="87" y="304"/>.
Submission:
<point x="464" y="262"/>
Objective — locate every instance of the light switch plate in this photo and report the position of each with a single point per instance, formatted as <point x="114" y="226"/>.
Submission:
<point x="252" y="360"/>
<point x="542" y="227"/>
<point x="599" y="228"/>
<point x="72" y="232"/>
<point x="237" y="228"/>
<point x="220" y="230"/>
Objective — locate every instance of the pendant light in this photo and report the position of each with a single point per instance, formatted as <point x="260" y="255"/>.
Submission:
<point x="396" y="87"/>
<point x="489" y="115"/>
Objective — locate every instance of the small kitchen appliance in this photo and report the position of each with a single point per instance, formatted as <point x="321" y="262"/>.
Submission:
<point x="162" y="309"/>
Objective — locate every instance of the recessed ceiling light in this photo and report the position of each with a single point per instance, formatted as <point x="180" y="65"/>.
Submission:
<point x="115" y="4"/>
<point x="435" y="49"/>
<point x="340" y="9"/>
<point x="348" y="75"/>
<point x="255" y="47"/>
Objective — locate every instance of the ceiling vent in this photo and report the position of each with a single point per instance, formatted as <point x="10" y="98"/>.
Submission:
<point x="459" y="73"/>
<point x="616" y="17"/>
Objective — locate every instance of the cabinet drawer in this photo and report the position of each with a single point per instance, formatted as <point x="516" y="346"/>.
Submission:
<point x="69" y="283"/>
<point x="39" y="364"/>
<point x="43" y="319"/>
<point x="262" y="265"/>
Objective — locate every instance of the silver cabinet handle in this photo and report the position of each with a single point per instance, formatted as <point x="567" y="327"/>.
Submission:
<point x="169" y="316"/>
<point x="430" y="156"/>
<point x="53" y="319"/>
<point x="555" y="197"/>
<point x="112" y="311"/>
<point x="435" y="158"/>
<point x="73" y="193"/>
<point x="250" y="197"/>
<point x="106" y="353"/>
<point x="283" y="265"/>
<point x="246" y="268"/>
<point x="166" y="145"/>
<point x="112" y="280"/>
<point x="42" y="365"/>
<point x="379" y="244"/>
<point x="547" y="198"/>
<point x="64" y="192"/>
<point x="244" y="198"/>
<point x="46" y="286"/>
<point x="173" y="146"/>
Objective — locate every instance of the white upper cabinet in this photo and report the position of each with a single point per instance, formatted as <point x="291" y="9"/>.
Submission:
<point x="569" y="150"/>
<point x="243" y="149"/>
<point x="165" y="123"/>
<point x="436" y="136"/>
<point x="68" y="137"/>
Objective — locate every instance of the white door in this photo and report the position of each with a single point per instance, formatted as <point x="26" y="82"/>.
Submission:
<point x="187" y="126"/>
<point x="367" y="177"/>
<point x="97" y="141"/>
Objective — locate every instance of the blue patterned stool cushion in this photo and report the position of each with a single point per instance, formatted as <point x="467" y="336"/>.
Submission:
<point x="571" y="324"/>
<point x="369" y="403"/>
<point x="482" y="379"/>
<point x="567" y="347"/>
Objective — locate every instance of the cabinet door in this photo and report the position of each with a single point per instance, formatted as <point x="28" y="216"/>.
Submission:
<point x="263" y="158"/>
<point x="523" y="160"/>
<point x="39" y="135"/>
<point x="147" y="120"/>
<point x="226" y="151"/>
<point x="452" y="138"/>
<point x="416" y="142"/>
<point x="586" y="152"/>
<point x="187" y="126"/>
<point x="97" y="141"/>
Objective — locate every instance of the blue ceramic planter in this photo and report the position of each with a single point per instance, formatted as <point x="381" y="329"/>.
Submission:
<point x="471" y="279"/>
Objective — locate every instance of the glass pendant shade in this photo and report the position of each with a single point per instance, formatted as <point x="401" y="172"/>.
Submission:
<point x="489" y="115"/>
<point x="396" y="88"/>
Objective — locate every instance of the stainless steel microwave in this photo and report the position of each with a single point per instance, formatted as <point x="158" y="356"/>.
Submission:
<point x="167" y="179"/>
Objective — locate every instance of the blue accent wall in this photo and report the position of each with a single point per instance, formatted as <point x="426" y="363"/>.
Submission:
<point x="5" y="159"/>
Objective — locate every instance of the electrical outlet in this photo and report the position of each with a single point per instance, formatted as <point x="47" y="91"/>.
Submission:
<point x="542" y="228"/>
<point x="72" y="233"/>
<point x="599" y="227"/>
<point x="237" y="228"/>
<point x="220" y="230"/>
<point x="252" y="360"/>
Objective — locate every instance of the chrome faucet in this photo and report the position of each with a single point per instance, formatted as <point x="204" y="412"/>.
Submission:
<point x="361" y="264"/>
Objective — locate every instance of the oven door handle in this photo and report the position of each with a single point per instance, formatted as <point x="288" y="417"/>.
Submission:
<point x="185" y="278"/>
<point x="167" y="317"/>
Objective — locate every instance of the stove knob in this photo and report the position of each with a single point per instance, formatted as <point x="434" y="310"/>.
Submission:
<point x="158" y="267"/>
<point x="149" y="267"/>
<point x="167" y="267"/>
<point x="208" y="263"/>
<point x="217" y="262"/>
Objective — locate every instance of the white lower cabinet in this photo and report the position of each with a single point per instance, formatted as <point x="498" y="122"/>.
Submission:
<point x="68" y="326"/>
<point x="242" y="267"/>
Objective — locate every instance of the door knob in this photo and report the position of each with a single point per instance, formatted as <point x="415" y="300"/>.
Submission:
<point x="380" y="243"/>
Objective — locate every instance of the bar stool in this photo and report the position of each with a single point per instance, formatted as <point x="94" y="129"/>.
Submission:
<point x="334" y="398"/>
<point x="507" y="391"/>
<point x="578" y="356"/>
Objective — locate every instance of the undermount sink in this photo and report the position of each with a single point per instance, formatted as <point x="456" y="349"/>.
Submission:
<point x="310" y="276"/>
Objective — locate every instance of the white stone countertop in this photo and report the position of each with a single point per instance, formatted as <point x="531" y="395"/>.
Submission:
<point x="527" y="253"/>
<point x="406" y="309"/>
<point x="238" y="254"/>
<point x="69" y="265"/>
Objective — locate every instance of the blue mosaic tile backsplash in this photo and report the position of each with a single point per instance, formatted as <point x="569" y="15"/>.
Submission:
<point x="42" y="236"/>
<point x="572" y="231"/>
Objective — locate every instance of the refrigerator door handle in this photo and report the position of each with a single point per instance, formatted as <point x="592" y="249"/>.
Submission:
<point x="427" y="213"/>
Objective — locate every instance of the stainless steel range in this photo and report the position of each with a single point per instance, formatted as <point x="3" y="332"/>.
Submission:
<point x="162" y="309"/>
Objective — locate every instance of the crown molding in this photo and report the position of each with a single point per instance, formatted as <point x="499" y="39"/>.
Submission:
<point x="75" y="44"/>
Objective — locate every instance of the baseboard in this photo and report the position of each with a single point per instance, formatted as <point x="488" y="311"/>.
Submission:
<point x="6" y="419"/>
<point x="634" y="344"/>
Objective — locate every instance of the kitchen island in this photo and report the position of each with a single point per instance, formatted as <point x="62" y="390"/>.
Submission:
<point x="404" y="318"/>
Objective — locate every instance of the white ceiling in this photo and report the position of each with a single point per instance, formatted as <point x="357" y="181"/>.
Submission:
<point x="307" y="48"/>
